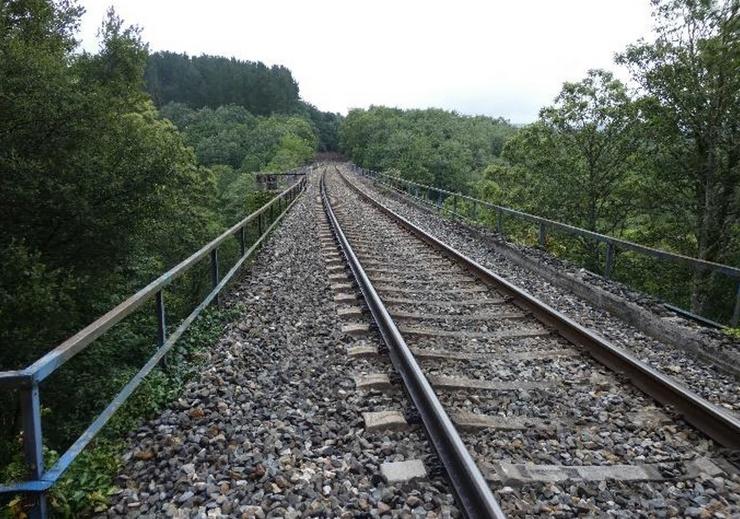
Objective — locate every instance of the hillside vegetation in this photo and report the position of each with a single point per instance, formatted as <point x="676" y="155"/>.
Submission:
<point x="215" y="81"/>
<point x="431" y="146"/>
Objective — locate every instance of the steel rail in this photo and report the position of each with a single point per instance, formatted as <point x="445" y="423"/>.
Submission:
<point x="715" y="422"/>
<point x="473" y="493"/>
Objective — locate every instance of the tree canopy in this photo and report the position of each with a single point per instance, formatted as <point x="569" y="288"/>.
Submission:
<point x="432" y="146"/>
<point x="690" y="101"/>
<point x="213" y="81"/>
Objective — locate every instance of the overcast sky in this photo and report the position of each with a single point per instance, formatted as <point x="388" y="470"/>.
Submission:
<point x="496" y="57"/>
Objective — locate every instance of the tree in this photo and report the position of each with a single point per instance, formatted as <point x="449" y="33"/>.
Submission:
<point x="87" y="165"/>
<point x="576" y="163"/>
<point x="213" y="81"/>
<point x="579" y="155"/>
<point x="690" y="91"/>
<point x="326" y="125"/>
<point x="431" y="146"/>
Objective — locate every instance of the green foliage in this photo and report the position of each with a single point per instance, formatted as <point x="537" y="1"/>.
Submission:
<point x="690" y="102"/>
<point x="89" y="482"/>
<point x="291" y="152"/>
<point x="269" y="137"/>
<point x="88" y="171"/>
<point x="213" y="81"/>
<point x="218" y="136"/>
<point x="428" y="146"/>
<point x="326" y="125"/>
<point x="235" y="144"/>
<point x="229" y="88"/>
<point x="35" y="301"/>
<point x="231" y="136"/>
<point x="585" y="142"/>
<point x="577" y="163"/>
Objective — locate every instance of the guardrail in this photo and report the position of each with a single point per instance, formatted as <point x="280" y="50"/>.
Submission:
<point x="612" y="244"/>
<point x="27" y="381"/>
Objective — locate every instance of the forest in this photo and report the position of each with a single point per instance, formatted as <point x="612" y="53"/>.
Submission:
<point x="655" y="162"/>
<point x="113" y="172"/>
<point x="215" y="81"/>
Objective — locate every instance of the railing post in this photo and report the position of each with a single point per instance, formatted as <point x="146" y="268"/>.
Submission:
<point x="161" y="325"/>
<point x="542" y="237"/>
<point x="161" y="319"/>
<point x="33" y="446"/>
<point x="499" y="221"/>
<point x="736" y="313"/>
<point x="242" y="241"/>
<point x="475" y="210"/>
<point x="454" y="204"/>
<point x="259" y="224"/>
<point x="609" y="260"/>
<point x="439" y="200"/>
<point x="214" y="272"/>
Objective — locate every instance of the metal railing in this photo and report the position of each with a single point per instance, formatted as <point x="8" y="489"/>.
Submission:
<point x="27" y="381"/>
<point x="612" y="244"/>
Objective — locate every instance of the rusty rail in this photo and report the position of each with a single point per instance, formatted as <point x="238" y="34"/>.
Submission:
<point x="27" y="380"/>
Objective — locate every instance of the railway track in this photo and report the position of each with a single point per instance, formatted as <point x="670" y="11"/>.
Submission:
<point x="517" y="399"/>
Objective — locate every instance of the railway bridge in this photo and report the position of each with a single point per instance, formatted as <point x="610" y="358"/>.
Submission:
<point x="392" y="357"/>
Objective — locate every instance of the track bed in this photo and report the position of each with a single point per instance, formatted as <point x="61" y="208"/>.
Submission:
<point x="552" y="430"/>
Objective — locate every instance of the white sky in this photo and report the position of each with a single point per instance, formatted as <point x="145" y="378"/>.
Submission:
<point x="497" y="57"/>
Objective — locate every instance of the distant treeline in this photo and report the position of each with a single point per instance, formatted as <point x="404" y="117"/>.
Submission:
<point x="214" y="81"/>
<point x="430" y="146"/>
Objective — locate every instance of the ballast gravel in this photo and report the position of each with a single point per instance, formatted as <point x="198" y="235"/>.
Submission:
<point x="273" y="425"/>
<point x="701" y="376"/>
